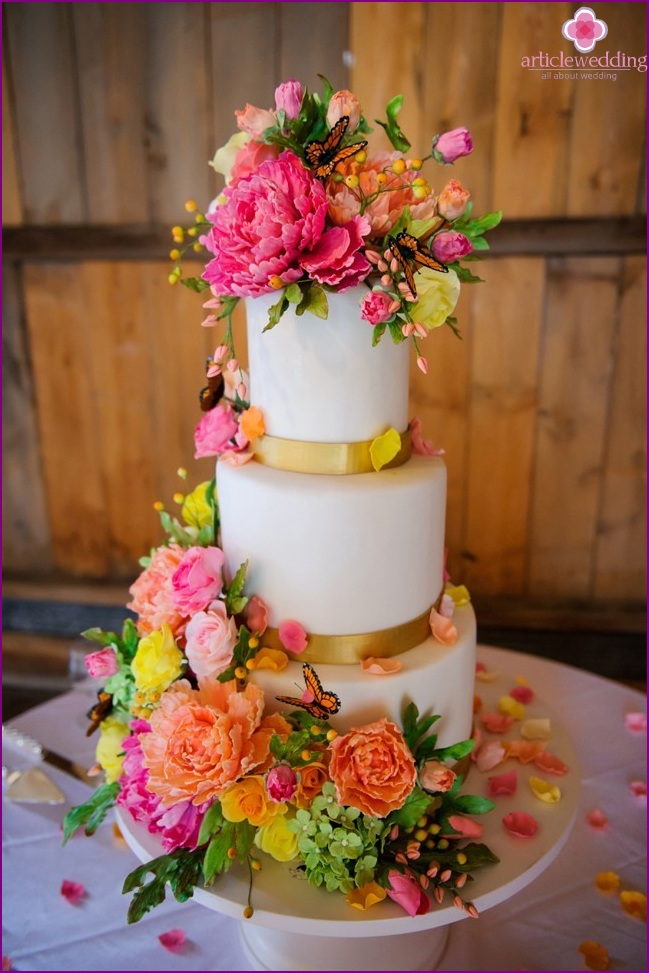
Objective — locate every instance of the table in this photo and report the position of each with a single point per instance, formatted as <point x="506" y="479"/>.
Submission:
<point x="540" y="929"/>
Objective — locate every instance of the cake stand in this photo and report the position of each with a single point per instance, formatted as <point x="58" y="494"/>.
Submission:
<point x="296" y="926"/>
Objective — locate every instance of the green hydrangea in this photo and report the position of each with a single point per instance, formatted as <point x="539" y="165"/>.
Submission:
<point x="339" y="845"/>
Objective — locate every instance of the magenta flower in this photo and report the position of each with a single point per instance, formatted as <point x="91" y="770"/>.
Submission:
<point x="337" y="258"/>
<point x="173" y="940"/>
<point x="288" y="97"/>
<point x="448" y="247"/>
<point x="101" y="664"/>
<point x="584" y="30"/>
<point x="281" y="783"/>
<point x="452" y="145"/>
<point x="270" y="218"/>
<point x="198" y="579"/>
<point x="408" y="894"/>
<point x="378" y="307"/>
<point x="215" y="431"/>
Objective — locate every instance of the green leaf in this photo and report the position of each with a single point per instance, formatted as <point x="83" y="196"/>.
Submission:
<point x="394" y="133"/>
<point x="212" y="821"/>
<point x="196" y="284"/>
<point x="99" y="636"/>
<point x="181" y="869"/>
<point x="314" y="301"/>
<point x="377" y="333"/>
<point x="416" y="804"/>
<point x="464" y="275"/>
<point x="293" y="293"/>
<point x="477" y="855"/>
<point x="456" y="751"/>
<point x="216" y="860"/>
<point x="234" y="593"/>
<point x="92" y="812"/>
<point x="472" y="804"/>
<point x="275" y="312"/>
<point x="420" y="228"/>
<point x="396" y="333"/>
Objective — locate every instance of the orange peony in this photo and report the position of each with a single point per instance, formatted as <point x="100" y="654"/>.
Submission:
<point x="203" y="740"/>
<point x="372" y="768"/>
<point x="152" y="593"/>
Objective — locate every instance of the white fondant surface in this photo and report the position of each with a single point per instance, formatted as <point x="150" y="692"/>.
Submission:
<point x="437" y="678"/>
<point x="339" y="554"/>
<point x="321" y="380"/>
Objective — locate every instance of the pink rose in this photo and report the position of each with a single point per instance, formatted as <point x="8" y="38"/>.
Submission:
<point x="337" y="258"/>
<point x="377" y="307"/>
<point x="453" y="200"/>
<point x="269" y="220"/>
<point x="255" y="121"/>
<point x="250" y="157"/>
<point x="435" y="777"/>
<point x="344" y="103"/>
<point x="448" y="247"/>
<point x="288" y="98"/>
<point x="152" y="592"/>
<point x="452" y="145"/>
<point x="292" y="636"/>
<point x="408" y="894"/>
<point x="101" y="663"/>
<point x="211" y="637"/>
<point x="215" y="431"/>
<point x="281" y="783"/>
<point x="198" y="579"/>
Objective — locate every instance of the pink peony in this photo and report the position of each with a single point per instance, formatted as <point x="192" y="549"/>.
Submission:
<point x="292" y="636"/>
<point x="211" y="637"/>
<point x="268" y="221"/>
<point x="102" y="663"/>
<point x="255" y="121"/>
<point x="344" y="103"/>
<point x="408" y="894"/>
<point x="153" y="598"/>
<point x="337" y="258"/>
<point x="288" y="98"/>
<point x="250" y="157"/>
<point x="452" y="145"/>
<point x="448" y="247"/>
<point x="198" y="579"/>
<point x="378" y="307"/>
<point x="435" y="777"/>
<point x="453" y="200"/>
<point x="215" y="431"/>
<point x="281" y="783"/>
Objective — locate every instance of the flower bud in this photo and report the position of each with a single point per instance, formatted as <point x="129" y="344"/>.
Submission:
<point x="452" y="145"/>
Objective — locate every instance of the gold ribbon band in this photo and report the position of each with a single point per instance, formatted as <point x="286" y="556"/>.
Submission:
<point x="328" y="458"/>
<point x="351" y="649"/>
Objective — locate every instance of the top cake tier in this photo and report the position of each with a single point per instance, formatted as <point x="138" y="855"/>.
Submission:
<point x="320" y="380"/>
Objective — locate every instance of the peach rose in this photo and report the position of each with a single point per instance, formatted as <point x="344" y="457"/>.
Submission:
<point x="153" y="596"/>
<point x="435" y="777"/>
<point x="211" y="637"/>
<point x="344" y="103"/>
<point x="203" y="740"/>
<point x="372" y="768"/>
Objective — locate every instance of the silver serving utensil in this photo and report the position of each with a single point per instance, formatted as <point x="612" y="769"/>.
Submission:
<point x="35" y="749"/>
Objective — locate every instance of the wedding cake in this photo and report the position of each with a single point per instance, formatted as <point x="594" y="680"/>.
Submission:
<point x="297" y="680"/>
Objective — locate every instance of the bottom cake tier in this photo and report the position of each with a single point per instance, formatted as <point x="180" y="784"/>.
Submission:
<point x="438" y="678"/>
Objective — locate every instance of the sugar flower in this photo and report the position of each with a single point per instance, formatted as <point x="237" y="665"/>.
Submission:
<point x="196" y="510"/>
<point x="435" y="777"/>
<point x="463" y="827"/>
<point x="157" y="661"/>
<point x="211" y="636"/>
<point x="152" y="592"/>
<point x="277" y="839"/>
<point x="451" y="246"/>
<point x="198" y="578"/>
<point x="288" y="98"/>
<point x="281" y="783"/>
<point x="256" y="615"/>
<point x="101" y="664"/>
<point x="292" y="636"/>
<point x="311" y="781"/>
<point x="254" y="121"/>
<point x="408" y="894"/>
<point x="110" y="752"/>
<point x="378" y="307"/>
<point x="453" y="145"/>
<point x="453" y="200"/>
<point x="215" y="432"/>
<point x="372" y="768"/>
<point x="248" y="800"/>
<point x="224" y="157"/>
<point x="437" y="295"/>
<point x="344" y="103"/>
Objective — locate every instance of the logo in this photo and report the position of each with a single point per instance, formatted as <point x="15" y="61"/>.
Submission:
<point x="584" y="30"/>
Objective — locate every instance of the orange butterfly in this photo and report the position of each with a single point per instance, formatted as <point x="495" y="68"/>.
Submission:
<point x="212" y="393"/>
<point x="324" y="156"/>
<point x="321" y="704"/>
<point x="405" y="247"/>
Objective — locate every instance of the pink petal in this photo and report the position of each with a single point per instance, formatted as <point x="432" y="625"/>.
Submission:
<point x="522" y="694"/>
<point x="490" y="755"/>
<point x="638" y="788"/>
<point x="597" y="820"/>
<point x="467" y="827"/>
<point x="74" y="892"/>
<point x="503" y="784"/>
<point x="292" y="636"/>
<point x="234" y="458"/>
<point x="521" y="824"/>
<point x="173" y="940"/>
<point x="496" y="722"/>
<point x="380" y="667"/>
<point x="442" y="628"/>
<point x="636" y="722"/>
<point x="546" y="761"/>
<point x="6" y="963"/>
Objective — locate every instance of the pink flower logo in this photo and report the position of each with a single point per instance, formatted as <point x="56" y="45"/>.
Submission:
<point x="584" y="30"/>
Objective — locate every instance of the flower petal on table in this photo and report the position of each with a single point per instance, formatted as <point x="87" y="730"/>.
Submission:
<point x="74" y="892"/>
<point x="536" y="729"/>
<point x="607" y="881"/>
<point x="173" y="940"/>
<point x="508" y="705"/>
<point x="525" y="750"/>
<point x="634" y="904"/>
<point x="546" y="792"/>
<point x="496" y="722"/>
<point x="521" y="824"/>
<point x="636" y="722"/>
<point x="367" y="896"/>
<point x="639" y="788"/>
<point x="484" y="674"/>
<point x="522" y="694"/>
<point x="503" y="784"/>
<point x="490" y="755"/>
<point x="595" y="956"/>
<point x="597" y="820"/>
<point x="550" y="764"/>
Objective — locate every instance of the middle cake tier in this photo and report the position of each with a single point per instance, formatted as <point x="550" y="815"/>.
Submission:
<point x="341" y="555"/>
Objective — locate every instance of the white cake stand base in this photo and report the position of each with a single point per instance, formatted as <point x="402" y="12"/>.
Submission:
<point x="296" y="926"/>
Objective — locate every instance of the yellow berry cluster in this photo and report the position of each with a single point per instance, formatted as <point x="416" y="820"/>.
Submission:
<point x="187" y="237"/>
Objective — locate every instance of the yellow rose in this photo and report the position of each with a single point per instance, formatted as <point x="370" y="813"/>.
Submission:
<point x="109" y="753"/>
<point x="247" y="800"/>
<point x="277" y="841"/>
<point x="225" y="156"/>
<point x="196" y="511"/>
<point x="437" y="295"/>
<point x="157" y="661"/>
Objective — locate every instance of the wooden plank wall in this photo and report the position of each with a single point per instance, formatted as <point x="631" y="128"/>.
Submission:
<point x="111" y="112"/>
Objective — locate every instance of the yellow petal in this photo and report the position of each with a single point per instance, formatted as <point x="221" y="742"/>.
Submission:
<point x="538" y="729"/>
<point x="271" y="659"/>
<point x="511" y="707"/>
<point x="545" y="791"/>
<point x="367" y="896"/>
<point x="607" y="881"/>
<point x="384" y="448"/>
<point x="635" y="904"/>
<point x="459" y="593"/>
<point x="595" y="956"/>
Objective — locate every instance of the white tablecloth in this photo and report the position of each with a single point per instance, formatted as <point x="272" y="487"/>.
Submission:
<point x="539" y="929"/>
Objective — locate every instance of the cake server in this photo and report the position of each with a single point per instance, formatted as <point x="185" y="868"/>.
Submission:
<point x="30" y="746"/>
